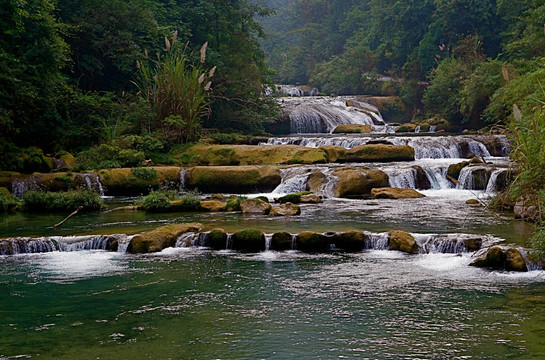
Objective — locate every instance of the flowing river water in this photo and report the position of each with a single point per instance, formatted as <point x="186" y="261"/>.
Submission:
<point x="194" y="303"/>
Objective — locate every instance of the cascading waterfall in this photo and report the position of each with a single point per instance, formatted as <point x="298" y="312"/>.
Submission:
<point x="426" y="147"/>
<point x="324" y="114"/>
<point x="493" y="182"/>
<point x="294" y="180"/>
<point x="187" y="240"/>
<point x="20" y="186"/>
<point x="93" y="182"/>
<point x="377" y="241"/>
<point x="13" y="246"/>
<point x="405" y="179"/>
<point x="183" y="175"/>
<point x="268" y="240"/>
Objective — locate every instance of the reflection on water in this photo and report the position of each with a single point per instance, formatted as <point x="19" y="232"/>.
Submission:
<point x="193" y="303"/>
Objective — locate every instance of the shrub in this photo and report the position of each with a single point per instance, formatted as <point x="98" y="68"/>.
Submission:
<point x="25" y="160"/>
<point x="108" y="157"/>
<point x="156" y="201"/>
<point x="170" y="200"/>
<point x="62" y="201"/>
<point x="8" y="202"/>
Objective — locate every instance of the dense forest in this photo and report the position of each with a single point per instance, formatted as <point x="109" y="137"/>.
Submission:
<point x="74" y="74"/>
<point x="464" y="60"/>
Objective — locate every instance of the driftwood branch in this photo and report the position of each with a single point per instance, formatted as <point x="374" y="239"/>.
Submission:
<point x="68" y="217"/>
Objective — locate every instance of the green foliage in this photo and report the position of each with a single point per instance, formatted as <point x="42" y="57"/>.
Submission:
<point x="233" y="203"/>
<point x="25" y="160"/>
<point x="177" y="91"/>
<point x="108" y="157"/>
<point x="170" y="200"/>
<point x="62" y="201"/>
<point x="8" y="202"/>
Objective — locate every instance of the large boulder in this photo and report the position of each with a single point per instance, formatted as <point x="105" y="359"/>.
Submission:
<point x="249" y="240"/>
<point x="309" y="241"/>
<point x="286" y="209"/>
<point x="402" y="241"/>
<point x="377" y="153"/>
<point x="136" y="181"/>
<point x="395" y="193"/>
<point x="358" y="182"/>
<point x="497" y="258"/>
<point x="454" y="169"/>
<point x="315" y="181"/>
<point x="422" y="181"/>
<point x="353" y="129"/>
<point x="217" y="239"/>
<point x="406" y="128"/>
<point x="352" y="241"/>
<point x="160" y="238"/>
<point x="226" y="155"/>
<point x="255" y="206"/>
<point x="234" y="179"/>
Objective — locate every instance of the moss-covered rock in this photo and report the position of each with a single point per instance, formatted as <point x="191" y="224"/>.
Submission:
<point x="356" y="182"/>
<point x="160" y="238"/>
<point x="249" y="240"/>
<point x="406" y="128"/>
<point x="377" y="153"/>
<point x="353" y="129"/>
<point x="217" y="239"/>
<point x="472" y="202"/>
<point x="315" y="181"/>
<point x="352" y="241"/>
<point x="473" y="244"/>
<point x="286" y="209"/>
<point x="402" y="241"/>
<point x="514" y="261"/>
<point x="293" y="198"/>
<point x="395" y="193"/>
<point x="7" y="177"/>
<point x="255" y="206"/>
<point x="282" y="241"/>
<point x="333" y="152"/>
<point x="493" y="259"/>
<point x="213" y="205"/>
<point x="226" y="155"/>
<point x="135" y="181"/>
<point x="64" y="161"/>
<point x="454" y="169"/>
<point x="4" y="191"/>
<point x="309" y="241"/>
<point x="237" y="179"/>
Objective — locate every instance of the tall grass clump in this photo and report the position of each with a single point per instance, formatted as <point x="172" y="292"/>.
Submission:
<point x="528" y="154"/>
<point x="177" y="91"/>
<point x="62" y="201"/>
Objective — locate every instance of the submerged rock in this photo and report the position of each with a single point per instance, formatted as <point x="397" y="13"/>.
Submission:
<point x="402" y="241"/>
<point x="213" y="205"/>
<point x="286" y="209"/>
<point x="395" y="193"/>
<point x="255" y="206"/>
<point x="160" y="238"/>
<point x="497" y="258"/>
<point x="311" y="199"/>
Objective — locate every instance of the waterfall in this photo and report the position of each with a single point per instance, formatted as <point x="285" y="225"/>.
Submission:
<point x="417" y="129"/>
<point x="93" y="182"/>
<point x="21" y="186"/>
<point x="183" y="174"/>
<point x="268" y="240"/>
<point x="406" y="179"/>
<point x="442" y="244"/>
<point x="292" y="90"/>
<point x="492" y="183"/>
<point x="377" y="241"/>
<point x="187" y="240"/>
<point x="293" y="241"/>
<point x="79" y="243"/>
<point x="294" y="180"/>
<point x="229" y="242"/>
<point x="324" y="114"/>
<point x="437" y="175"/>
<point x="13" y="246"/>
<point x="425" y="147"/>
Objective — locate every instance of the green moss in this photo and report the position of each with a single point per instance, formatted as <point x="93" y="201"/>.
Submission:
<point x="309" y="241"/>
<point x="233" y="203"/>
<point x="144" y="173"/>
<point x="8" y="202"/>
<point x="160" y="238"/>
<point x="249" y="240"/>
<point x="293" y="198"/>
